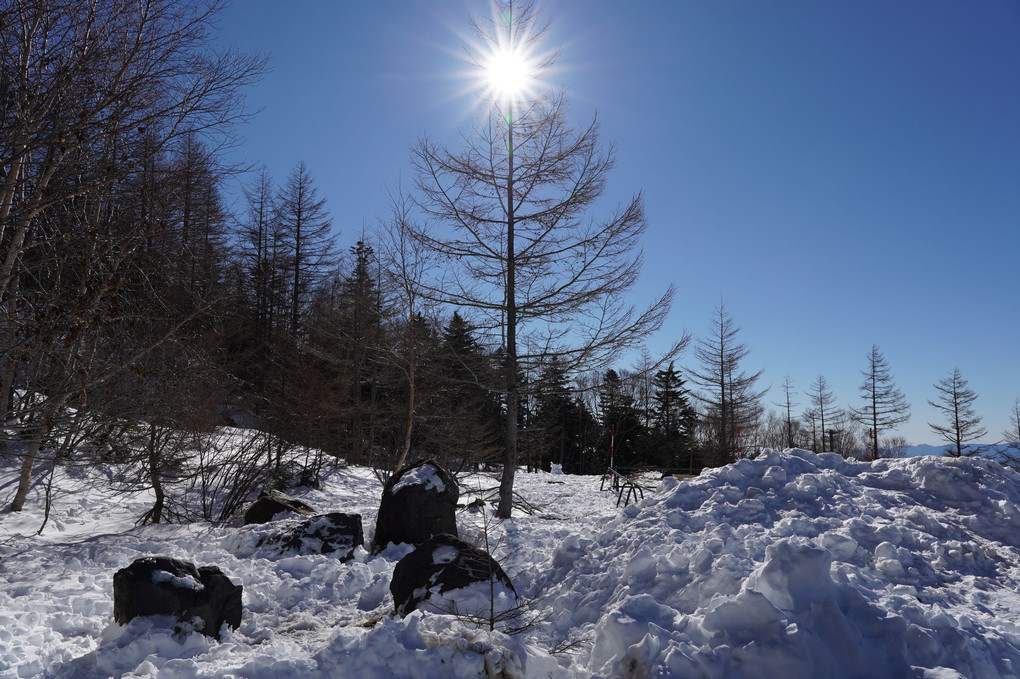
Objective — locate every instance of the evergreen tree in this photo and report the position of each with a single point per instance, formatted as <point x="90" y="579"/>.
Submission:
<point x="621" y="422"/>
<point x="559" y="419"/>
<point x="468" y="417"/>
<point x="673" y="420"/>
<point x="362" y="343"/>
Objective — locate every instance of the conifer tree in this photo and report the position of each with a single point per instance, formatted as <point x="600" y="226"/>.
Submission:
<point x="621" y="422"/>
<point x="962" y="425"/>
<point x="541" y="275"/>
<point x="559" y="418"/>
<point x="729" y="394"/>
<point x="884" y="405"/>
<point x="673" y="418"/>
<point x="787" y="405"/>
<point x="1011" y="437"/>
<point x="467" y="384"/>
<point x="822" y="400"/>
<point x="306" y="227"/>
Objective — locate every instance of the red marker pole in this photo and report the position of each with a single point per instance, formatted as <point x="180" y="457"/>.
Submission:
<point x="612" y="445"/>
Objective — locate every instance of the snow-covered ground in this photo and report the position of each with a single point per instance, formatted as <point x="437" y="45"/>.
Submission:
<point x="790" y="565"/>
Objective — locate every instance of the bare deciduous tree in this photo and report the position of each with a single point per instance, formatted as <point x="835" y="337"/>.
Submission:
<point x="884" y="406"/>
<point x="729" y="395"/>
<point x="306" y="226"/>
<point x="787" y="405"/>
<point x="955" y="401"/>
<point x="538" y="274"/>
<point x="405" y="268"/>
<point x="95" y="98"/>
<point x="1010" y="454"/>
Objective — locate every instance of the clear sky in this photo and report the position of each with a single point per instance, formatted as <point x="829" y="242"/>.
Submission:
<point x="842" y="173"/>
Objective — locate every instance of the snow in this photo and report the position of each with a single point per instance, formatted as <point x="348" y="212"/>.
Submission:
<point x="792" y="564"/>
<point x="178" y="582"/>
<point x="424" y="475"/>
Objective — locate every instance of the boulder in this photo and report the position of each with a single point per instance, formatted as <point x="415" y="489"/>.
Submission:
<point x="270" y="504"/>
<point x="417" y="502"/>
<point x="442" y="570"/>
<point x="159" y="585"/>
<point x="323" y="534"/>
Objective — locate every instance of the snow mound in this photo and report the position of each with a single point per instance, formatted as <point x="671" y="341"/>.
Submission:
<point x="792" y="564"/>
<point x="796" y="564"/>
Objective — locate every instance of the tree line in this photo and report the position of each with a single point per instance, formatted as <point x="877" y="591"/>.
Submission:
<point x="483" y="322"/>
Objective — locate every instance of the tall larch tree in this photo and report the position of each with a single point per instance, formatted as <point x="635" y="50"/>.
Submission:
<point x="822" y="401"/>
<point x="539" y="274"/>
<point x="962" y="424"/>
<point x="884" y="406"/>
<point x="729" y="395"/>
<point x="307" y="227"/>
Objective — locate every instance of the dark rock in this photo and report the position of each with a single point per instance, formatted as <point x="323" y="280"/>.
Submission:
<point x="159" y="585"/>
<point x="441" y="564"/>
<point x="323" y="534"/>
<point x="269" y="505"/>
<point x="417" y="502"/>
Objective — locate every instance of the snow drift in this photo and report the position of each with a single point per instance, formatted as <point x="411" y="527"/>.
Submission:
<point x="792" y="564"/>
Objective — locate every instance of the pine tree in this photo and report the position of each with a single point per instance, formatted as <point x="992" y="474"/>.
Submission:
<point x="361" y="336"/>
<point x="621" y="421"/>
<point x="468" y="414"/>
<point x="673" y="419"/>
<point x="560" y="418"/>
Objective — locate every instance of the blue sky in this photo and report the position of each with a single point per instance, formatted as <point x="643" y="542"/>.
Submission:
<point x="842" y="173"/>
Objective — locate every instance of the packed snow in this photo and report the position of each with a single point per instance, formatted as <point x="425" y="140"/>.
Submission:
<point x="424" y="475"/>
<point x="177" y="581"/>
<point x="788" y="565"/>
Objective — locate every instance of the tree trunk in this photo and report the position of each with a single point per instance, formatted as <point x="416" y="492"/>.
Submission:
<point x="410" y="418"/>
<point x="155" y="514"/>
<point x="506" y="483"/>
<point x="25" y="480"/>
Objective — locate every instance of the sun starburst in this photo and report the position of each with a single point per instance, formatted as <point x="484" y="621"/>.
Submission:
<point x="508" y="73"/>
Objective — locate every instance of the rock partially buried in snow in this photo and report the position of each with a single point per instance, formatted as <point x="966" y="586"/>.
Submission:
<point x="272" y="504"/>
<point x="159" y="585"/>
<point x="453" y="577"/>
<point x="417" y="502"/>
<point x="333" y="533"/>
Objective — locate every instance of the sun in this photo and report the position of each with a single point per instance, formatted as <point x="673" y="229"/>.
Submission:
<point x="508" y="73"/>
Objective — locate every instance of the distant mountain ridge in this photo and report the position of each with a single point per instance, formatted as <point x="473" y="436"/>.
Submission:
<point x="929" y="449"/>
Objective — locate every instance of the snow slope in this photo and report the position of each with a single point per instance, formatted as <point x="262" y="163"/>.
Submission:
<point x="789" y="565"/>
